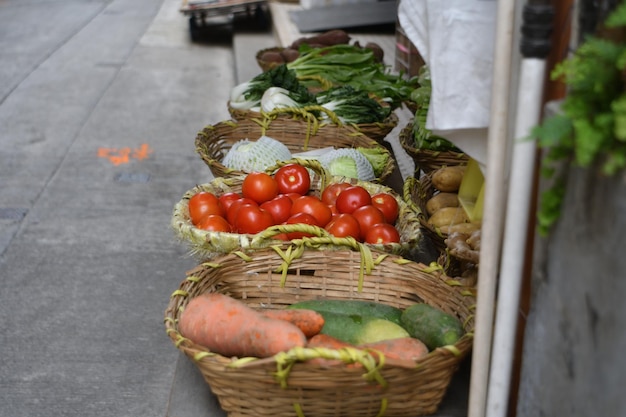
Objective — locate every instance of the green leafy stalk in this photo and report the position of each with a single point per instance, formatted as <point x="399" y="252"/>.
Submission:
<point x="354" y="66"/>
<point x="279" y="76"/>
<point x="352" y="106"/>
<point x="424" y="138"/>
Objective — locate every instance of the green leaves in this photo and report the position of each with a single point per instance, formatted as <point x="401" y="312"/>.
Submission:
<point x="591" y="127"/>
<point x="354" y="66"/>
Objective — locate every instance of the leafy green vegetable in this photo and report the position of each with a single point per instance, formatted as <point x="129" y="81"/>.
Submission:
<point x="591" y="125"/>
<point x="347" y="162"/>
<point x="378" y="158"/>
<point x="277" y="97"/>
<point x="351" y="65"/>
<point x="249" y="94"/>
<point x="352" y="105"/>
<point x="424" y="138"/>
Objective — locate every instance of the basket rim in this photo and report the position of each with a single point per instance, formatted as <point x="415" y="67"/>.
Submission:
<point x="375" y="130"/>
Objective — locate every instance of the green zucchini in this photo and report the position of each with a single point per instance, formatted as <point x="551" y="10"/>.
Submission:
<point x="358" y="307"/>
<point x="432" y="326"/>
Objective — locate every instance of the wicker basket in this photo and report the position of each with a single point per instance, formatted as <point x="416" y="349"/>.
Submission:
<point x="288" y="384"/>
<point x="207" y="244"/>
<point x="375" y="130"/>
<point x="427" y="160"/>
<point x="416" y="193"/>
<point x="214" y="141"/>
<point x="267" y="65"/>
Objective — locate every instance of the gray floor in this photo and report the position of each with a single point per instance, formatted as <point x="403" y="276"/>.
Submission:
<point x="100" y="101"/>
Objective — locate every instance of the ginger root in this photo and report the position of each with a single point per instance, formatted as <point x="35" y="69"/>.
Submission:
<point x="459" y="247"/>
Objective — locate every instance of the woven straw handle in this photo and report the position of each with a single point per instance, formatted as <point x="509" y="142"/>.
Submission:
<point x="306" y="112"/>
<point x="348" y="355"/>
<point x="407" y="191"/>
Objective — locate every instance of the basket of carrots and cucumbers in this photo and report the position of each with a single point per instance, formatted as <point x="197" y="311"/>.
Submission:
<point x="280" y="331"/>
<point x="289" y="200"/>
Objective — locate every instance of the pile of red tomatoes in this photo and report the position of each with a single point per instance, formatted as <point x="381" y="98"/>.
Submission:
<point x="342" y="209"/>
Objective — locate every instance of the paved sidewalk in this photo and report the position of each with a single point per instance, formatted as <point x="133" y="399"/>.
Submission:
<point x="100" y="102"/>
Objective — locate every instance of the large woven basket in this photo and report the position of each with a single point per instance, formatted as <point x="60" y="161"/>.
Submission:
<point x="425" y="159"/>
<point x="289" y="384"/>
<point x="375" y="130"/>
<point x="207" y="244"/>
<point x="214" y="141"/>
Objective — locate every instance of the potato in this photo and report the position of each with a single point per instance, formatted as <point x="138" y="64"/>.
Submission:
<point x="289" y="54"/>
<point x="272" y="56"/>
<point x="448" y="179"/>
<point x="441" y="200"/>
<point x="447" y="216"/>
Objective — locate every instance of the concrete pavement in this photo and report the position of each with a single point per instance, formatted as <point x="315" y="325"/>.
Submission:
<point x="100" y="102"/>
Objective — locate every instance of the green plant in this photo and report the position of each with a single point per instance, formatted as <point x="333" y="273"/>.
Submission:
<point x="591" y="125"/>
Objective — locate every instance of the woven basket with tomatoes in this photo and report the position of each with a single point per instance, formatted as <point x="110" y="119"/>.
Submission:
<point x="288" y="202"/>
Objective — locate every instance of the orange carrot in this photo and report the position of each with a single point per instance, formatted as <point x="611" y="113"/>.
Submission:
<point x="324" y="340"/>
<point x="309" y="321"/>
<point x="229" y="327"/>
<point x="329" y="342"/>
<point x="403" y="348"/>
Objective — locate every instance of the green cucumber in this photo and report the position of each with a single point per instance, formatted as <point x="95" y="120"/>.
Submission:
<point x="358" y="307"/>
<point x="432" y="326"/>
<point x="357" y="329"/>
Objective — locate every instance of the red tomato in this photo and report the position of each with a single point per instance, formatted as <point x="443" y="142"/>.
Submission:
<point x="227" y="199"/>
<point x="203" y="204"/>
<point x="343" y="225"/>
<point x="293" y="178"/>
<point x="301" y="218"/>
<point x="279" y="207"/>
<point x="231" y="213"/>
<point x="259" y="186"/>
<point x="330" y="193"/>
<point x="293" y="196"/>
<point x="388" y="204"/>
<point x="252" y="219"/>
<point x="313" y="206"/>
<point x="368" y="216"/>
<point x="352" y="198"/>
<point x="214" y="223"/>
<point x="382" y="233"/>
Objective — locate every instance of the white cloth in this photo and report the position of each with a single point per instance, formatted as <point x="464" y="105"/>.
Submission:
<point x="456" y="40"/>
